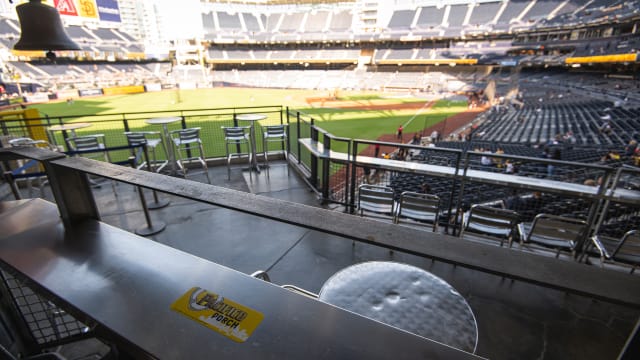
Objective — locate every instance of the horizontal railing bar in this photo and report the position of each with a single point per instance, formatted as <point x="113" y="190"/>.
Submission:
<point x="548" y="272"/>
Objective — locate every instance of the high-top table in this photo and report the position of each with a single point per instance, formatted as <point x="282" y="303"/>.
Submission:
<point x="166" y="138"/>
<point x="405" y="297"/>
<point x="72" y="127"/>
<point x="252" y="118"/>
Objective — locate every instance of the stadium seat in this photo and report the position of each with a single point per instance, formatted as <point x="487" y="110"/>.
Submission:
<point x="625" y="250"/>
<point x="488" y="222"/>
<point x="423" y="208"/>
<point x="376" y="199"/>
<point x="555" y="232"/>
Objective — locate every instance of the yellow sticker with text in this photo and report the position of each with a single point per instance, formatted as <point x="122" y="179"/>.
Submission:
<point x="227" y="317"/>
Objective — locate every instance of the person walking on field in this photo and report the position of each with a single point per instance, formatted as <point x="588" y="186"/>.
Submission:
<point x="399" y="133"/>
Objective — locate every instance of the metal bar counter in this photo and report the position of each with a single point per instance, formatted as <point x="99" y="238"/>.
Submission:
<point x="317" y="149"/>
<point x="564" y="275"/>
<point x="487" y="177"/>
<point x="124" y="286"/>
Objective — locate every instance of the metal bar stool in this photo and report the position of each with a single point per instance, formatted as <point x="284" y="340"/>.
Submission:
<point x="26" y="168"/>
<point x="238" y="136"/>
<point x="91" y="146"/>
<point x="143" y="137"/>
<point x="188" y="140"/>
<point x="273" y="133"/>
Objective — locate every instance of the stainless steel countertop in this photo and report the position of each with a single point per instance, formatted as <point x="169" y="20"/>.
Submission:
<point x="124" y="286"/>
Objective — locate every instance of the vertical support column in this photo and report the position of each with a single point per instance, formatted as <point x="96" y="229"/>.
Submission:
<point x="347" y="178"/>
<point x="354" y="171"/>
<point x="298" y="136"/>
<point x="314" y="159"/>
<point x="326" y="160"/>
<point x="235" y="124"/>
<point x="125" y="123"/>
<point x="451" y="194"/>
<point x="460" y="195"/>
<point x="72" y="192"/>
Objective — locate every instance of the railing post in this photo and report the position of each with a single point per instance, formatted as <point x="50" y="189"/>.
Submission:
<point x="314" y="159"/>
<point x="354" y="170"/>
<point x="325" y="169"/>
<point x="235" y="124"/>
<point x="8" y="177"/>
<point x="347" y="178"/>
<point x="125" y="123"/>
<point x="288" y="131"/>
<point x="281" y="118"/>
<point x="459" y="203"/>
<point x="451" y="194"/>
<point x="298" y="137"/>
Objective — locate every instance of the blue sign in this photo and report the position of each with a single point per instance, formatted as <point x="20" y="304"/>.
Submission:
<point x="108" y="10"/>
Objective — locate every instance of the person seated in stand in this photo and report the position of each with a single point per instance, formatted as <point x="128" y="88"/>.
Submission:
<point x="498" y="162"/>
<point x="416" y="139"/>
<point x="590" y="182"/>
<point x="425" y="188"/>
<point x="610" y="157"/>
<point x="606" y="128"/>
<point x="434" y="136"/>
<point x="631" y="148"/>
<point x="509" y="167"/>
<point x="513" y="201"/>
<point x="486" y="160"/>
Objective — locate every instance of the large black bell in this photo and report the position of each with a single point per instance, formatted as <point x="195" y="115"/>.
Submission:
<point x="41" y="28"/>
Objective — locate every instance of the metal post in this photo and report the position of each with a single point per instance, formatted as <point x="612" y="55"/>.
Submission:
<point x="459" y="202"/>
<point x="157" y="203"/>
<point x="151" y="228"/>
<point x="8" y="177"/>
<point x="183" y="122"/>
<point x="235" y="124"/>
<point x="325" y="170"/>
<point x="347" y="187"/>
<point x="125" y="123"/>
<point x="354" y="170"/>
<point x="451" y="194"/>
<point x="314" y="160"/>
<point x="298" y="137"/>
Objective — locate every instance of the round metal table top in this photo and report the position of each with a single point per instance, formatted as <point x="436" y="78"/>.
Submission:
<point x="251" y="117"/>
<point x="163" y="120"/>
<point x="405" y="297"/>
<point x="69" y="126"/>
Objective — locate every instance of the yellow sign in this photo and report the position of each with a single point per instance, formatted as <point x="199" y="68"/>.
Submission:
<point x="122" y="90"/>
<point x="224" y="316"/>
<point x="632" y="57"/>
<point x="88" y="8"/>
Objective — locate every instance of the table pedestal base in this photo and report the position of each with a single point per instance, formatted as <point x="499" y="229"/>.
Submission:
<point x="151" y="230"/>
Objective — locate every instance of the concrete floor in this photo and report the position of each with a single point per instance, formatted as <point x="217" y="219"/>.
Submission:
<point x="516" y="320"/>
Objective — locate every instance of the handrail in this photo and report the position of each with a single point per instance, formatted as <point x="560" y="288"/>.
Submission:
<point x="76" y="204"/>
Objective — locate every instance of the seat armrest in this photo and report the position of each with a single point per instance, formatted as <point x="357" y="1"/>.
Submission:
<point x="601" y="248"/>
<point x="522" y="232"/>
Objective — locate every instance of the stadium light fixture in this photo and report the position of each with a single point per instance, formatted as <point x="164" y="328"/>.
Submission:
<point x="41" y="29"/>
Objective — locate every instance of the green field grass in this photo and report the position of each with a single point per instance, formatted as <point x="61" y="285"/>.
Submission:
<point x="340" y="122"/>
